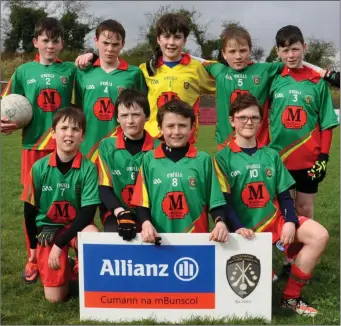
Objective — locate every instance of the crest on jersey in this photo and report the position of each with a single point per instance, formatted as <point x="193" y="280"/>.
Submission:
<point x="64" y="80"/>
<point x="186" y="85"/>
<point x="268" y="172"/>
<point x="308" y="99"/>
<point x="192" y="181"/>
<point x="256" y="79"/>
<point x="120" y="89"/>
<point x="243" y="273"/>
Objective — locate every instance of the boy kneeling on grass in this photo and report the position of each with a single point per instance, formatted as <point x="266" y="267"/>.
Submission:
<point x="256" y="186"/>
<point x="61" y="196"/>
<point x="176" y="186"/>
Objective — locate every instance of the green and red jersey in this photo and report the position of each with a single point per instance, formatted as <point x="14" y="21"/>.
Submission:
<point x="178" y="194"/>
<point x="48" y="88"/>
<point x="118" y="169"/>
<point x="254" y="79"/>
<point x="59" y="197"/>
<point x="254" y="181"/>
<point x="301" y="108"/>
<point x="96" y="92"/>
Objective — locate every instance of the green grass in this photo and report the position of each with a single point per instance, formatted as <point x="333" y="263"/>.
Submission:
<point x="25" y="304"/>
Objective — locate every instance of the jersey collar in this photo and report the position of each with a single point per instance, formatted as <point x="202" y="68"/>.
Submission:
<point x="301" y="74"/>
<point x="122" y="66"/>
<point x="76" y="164"/>
<point x="185" y="60"/>
<point x="192" y="152"/>
<point x="37" y="59"/>
<point x="235" y="148"/>
<point x="148" y="143"/>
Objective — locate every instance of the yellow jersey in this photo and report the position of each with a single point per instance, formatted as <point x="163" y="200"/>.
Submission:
<point x="185" y="81"/>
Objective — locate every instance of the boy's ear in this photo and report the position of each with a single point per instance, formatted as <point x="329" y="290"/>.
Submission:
<point x="34" y="41"/>
<point x="277" y="50"/>
<point x="231" y="121"/>
<point x="53" y="133"/>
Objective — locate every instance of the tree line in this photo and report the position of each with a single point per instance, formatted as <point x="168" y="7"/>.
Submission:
<point x="17" y="32"/>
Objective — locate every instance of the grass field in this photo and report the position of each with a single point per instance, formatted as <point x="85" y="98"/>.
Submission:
<point x="25" y="305"/>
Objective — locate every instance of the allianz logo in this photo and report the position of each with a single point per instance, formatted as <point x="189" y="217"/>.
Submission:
<point x="185" y="269"/>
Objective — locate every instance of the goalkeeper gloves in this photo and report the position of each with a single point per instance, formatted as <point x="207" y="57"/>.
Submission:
<point x="319" y="169"/>
<point x="126" y="225"/>
<point x="333" y="78"/>
<point x="47" y="235"/>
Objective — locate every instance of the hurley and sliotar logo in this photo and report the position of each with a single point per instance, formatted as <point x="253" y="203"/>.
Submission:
<point x="243" y="273"/>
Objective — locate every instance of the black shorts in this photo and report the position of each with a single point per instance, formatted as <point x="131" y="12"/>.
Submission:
<point x="303" y="182"/>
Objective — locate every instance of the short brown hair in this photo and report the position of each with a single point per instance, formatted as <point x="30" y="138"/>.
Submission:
<point x="171" y="24"/>
<point x="129" y="97"/>
<point x="237" y="33"/>
<point x="112" y="26"/>
<point x="178" y="107"/>
<point x="72" y="113"/>
<point x="50" y="26"/>
<point x="244" y="101"/>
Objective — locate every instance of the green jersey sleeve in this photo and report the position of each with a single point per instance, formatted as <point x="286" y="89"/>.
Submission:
<point x="274" y="68"/>
<point x="90" y="192"/>
<point x="14" y="86"/>
<point x="214" y="194"/>
<point x="327" y="115"/>
<point x="214" y="68"/>
<point x="284" y="180"/>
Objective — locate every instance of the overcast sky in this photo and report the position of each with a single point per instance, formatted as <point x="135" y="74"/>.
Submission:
<point x="320" y="19"/>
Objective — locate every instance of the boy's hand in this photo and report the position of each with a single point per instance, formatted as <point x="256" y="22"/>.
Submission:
<point x="246" y="233"/>
<point x="82" y="61"/>
<point x="219" y="233"/>
<point x="288" y="233"/>
<point x="148" y="232"/>
<point x="7" y="127"/>
<point x="126" y="225"/>
<point x="54" y="261"/>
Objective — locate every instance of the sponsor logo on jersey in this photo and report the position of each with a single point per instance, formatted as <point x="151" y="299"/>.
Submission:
<point x="63" y="80"/>
<point x="174" y="175"/>
<point x="170" y="78"/>
<point x="269" y="172"/>
<point x="104" y="109"/>
<point x="61" y="212"/>
<point x="157" y="181"/>
<point x="31" y="81"/>
<point x="309" y="99"/>
<point x="238" y="76"/>
<point x="243" y="273"/>
<point x="46" y="188"/>
<point x="47" y="75"/>
<point x="127" y="195"/>
<point x="90" y="87"/>
<point x="256" y="79"/>
<point x="255" y="195"/>
<point x="294" y="91"/>
<point x="120" y="89"/>
<point x="192" y="181"/>
<point x="154" y="82"/>
<point x="235" y="173"/>
<point x="174" y="205"/>
<point x="279" y="95"/>
<point x="294" y="117"/>
<point x="49" y="100"/>
<point x="166" y="97"/>
<point x="186" y="85"/>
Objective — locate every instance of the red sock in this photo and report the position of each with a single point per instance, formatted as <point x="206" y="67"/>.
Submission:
<point x="27" y="242"/>
<point x="297" y="279"/>
<point x="294" y="249"/>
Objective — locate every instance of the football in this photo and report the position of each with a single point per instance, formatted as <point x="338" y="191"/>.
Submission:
<point x="17" y="108"/>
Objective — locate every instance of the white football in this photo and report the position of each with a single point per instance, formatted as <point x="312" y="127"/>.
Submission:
<point x="17" y="108"/>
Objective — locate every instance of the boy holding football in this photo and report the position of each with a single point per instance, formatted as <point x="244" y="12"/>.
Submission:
<point x="97" y="87"/>
<point x="256" y="186"/>
<point x="176" y="186"/>
<point x="120" y="158"/>
<point x="47" y="83"/>
<point x="61" y="197"/>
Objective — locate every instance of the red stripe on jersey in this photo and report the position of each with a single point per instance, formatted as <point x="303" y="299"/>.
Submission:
<point x="201" y="223"/>
<point x="41" y="140"/>
<point x="28" y="192"/>
<point x="37" y="59"/>
<point x="95" y="147"/>
<point x="326" y="140"/>
<point x="8" y="89"/>
<point x="137" y="198"/>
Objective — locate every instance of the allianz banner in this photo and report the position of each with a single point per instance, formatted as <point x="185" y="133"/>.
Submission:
<point x="184" y="277"/>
